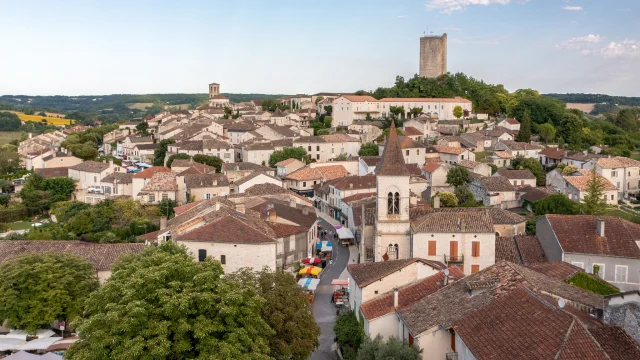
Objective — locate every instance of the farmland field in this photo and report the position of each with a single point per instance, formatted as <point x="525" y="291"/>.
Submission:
<point x="50" y="120"/>
<point x="46" y="112"/>
<point x="6" y="136"/>
<point x="144" y="106"/>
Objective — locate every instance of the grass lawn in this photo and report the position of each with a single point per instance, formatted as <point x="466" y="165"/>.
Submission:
<point x="624" y="214"/>
<point x="6" y="136"/>
<point x="20" y="225"/>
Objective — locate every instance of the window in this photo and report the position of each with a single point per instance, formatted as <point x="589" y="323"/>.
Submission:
<point x="202" y="254"/>
<point x="292" y="243"/>
<point x="280" y="247"/>
<point x="165" y="196"/>
<point x="304" y="184"/>
<point x="462" y="157"/>
<point x="475" y="268"/>
<point x="318" y="157"/>
<point x="95" y="179"/>
<point x="318" y="148"/>
<point x="223" y="259"/>
<point x="578" y="264"/>
<point x="621" y="273"/>
<point x="407" y="152"/>
<point x="207" y="196"/>
<point x="152" y="198"/>
<point x="613" y="173"/>
<point x="393" y="203"/>
<point x="475" y="248"/>
<point x="432" y="248"/>
<point x="309" y="148"/>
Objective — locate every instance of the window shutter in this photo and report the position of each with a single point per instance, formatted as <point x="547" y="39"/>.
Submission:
<point x="475" y="248"/>
<point x="223" y="259"/>
<point x="432" y="248"/>
<point x="202" y="254"/>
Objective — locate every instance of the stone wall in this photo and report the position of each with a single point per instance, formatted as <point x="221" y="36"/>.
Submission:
<point x="433" y="56"/>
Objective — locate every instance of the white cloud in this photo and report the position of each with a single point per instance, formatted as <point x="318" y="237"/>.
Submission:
<point x="402" y="16"/>
<point x="450" y="6"/>
<point x="589" y="45"/>
<point x="579" y="43"/>
<point x="625" y="48"/>
<point x="573" y="8"/>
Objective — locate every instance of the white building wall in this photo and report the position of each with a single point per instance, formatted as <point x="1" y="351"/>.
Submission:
<point x="254" y="256"/>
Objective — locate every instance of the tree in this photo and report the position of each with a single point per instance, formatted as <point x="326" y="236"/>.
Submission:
<point x="296" y="332"/>
<point x="555" y="204"/>
<point x="38" y="193"/>
<point x="465" y="196"/>
<point x="378" y="349"/>
<point x="165" y="208"/>
<point x="594" y="202"/>
<point x="368" y="149"/>
<point x="5" y="185"/>
<point x="547" y="131"/>
<point x="328" y="109"/>
<point x="319" y="98"/>
<point x="168" y="306"/>
<point x="447" y="199"/>
<point x="536" y="169"/>
<point x="349" y="332"/>
<point x="327" y="121"/>
<point x="524" y="135"/>
<point x="37" y="289"/>
<point x="494" y="168"/>
<point x="9" y="121"/>
<point x="458" y="176"/>
<point x="59" y="188"/>
<point x="457" y="111"/>
<point x="415" y="111"/>
<point x="142" y="128"/>
<point x="396" y="110"/>
<point x="341" y="157"/>
<point x="161" y="151"/>
<point x="9" y="162"/>
<point x="570" y="130"/>
<point x="288" y="153"/>
<point x="212" y="161"/>
<point x="182" y="156"/>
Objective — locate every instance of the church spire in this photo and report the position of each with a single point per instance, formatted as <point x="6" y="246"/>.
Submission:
<point x="392" y="162"/>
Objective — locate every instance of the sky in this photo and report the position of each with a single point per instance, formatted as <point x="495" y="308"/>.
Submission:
<point x="288" y="46"/>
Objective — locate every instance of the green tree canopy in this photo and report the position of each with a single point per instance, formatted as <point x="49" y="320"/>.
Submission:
<point x="9" y="161"/>
<point x="213" y="161"/>
<point x="288" y="153"/>
<point x="594" y="202"/>
<point x="182" y="156"/>
<point x="161" y="151"/>
<point x="37" y="289"/>
<point x="38" y="193"/>
<point x="296" y="333"/>
<point x="458" y="176"/>
<point x="9" y="121"/>
<point x="161" y="304"/>
<point x="555" y="204"/>
<point x="534" y="166"/>
<point x="547" y="132"/>
<point x="458" y="112"/>
<point x="142" y="128"/>
<point x="524" y="135"/>
<point x="392" y="348"/>
<point x="465" y="196"/>
<point x="368" y="149"/>
<point x="447" y="199"/>
<point x="348" y="331"/>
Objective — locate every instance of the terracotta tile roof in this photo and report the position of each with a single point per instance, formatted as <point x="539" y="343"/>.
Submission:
<point x="469" y="164"/>
<point x="392" y="161"/>
<point x="195" y="170"/>
<point x="119" y="178"/>
<point x="414" y="170"/>
<point x="230" y="227"/>
<point x="245" y="166"/>
<point x="516" y="174"/>
<point x="517" y="145"/>
<point x="471" y="220"/>
<point x="161" y="181"/>
<point x="322" y="172"/>
<point x="283" y="230"/>
<point x="371" y="160"/>
<point x="501" y="216"/>
<point x="552" y="153"/>
<point x="582" y="182"/>
<point x="408" y="295"/>
<point x="506" y="250"/>
<point x="503" y="154"/>
<point x="411" y="131"/>
<point x="533" y="194"/>
<point x="616" y="342"/>
<point x="557" y="269"/>
<point x="449" y="100"/>
<point x="151" y="237"/>
<point x="357" y="197"/>
<point x="454" y="302"/>
<point x="53" y="172"/>
<point x="148" y="173"/>
<point x="101" y="256"/>
<point x="146" y="146"/>
<point x="205" y="181"/>
<point x="359" y="98"/>
<point x="90" y="166"/>
<point x="252" y="176"/>
<point x="269" y="189"/>
<point x="179" y="210"/>
<point x="219" y="97"/>
<point x="431" y="167"/>
<point x="617" y="162"/>
<point x="496" y="184"/>
<point x="367" y="273"/>
<point x="286" y="162"/>
<point x="578" y="234"/>
<point x="356" y="182"/>
<point x="513" y="121"/>
<point x="521" y="325"/>
<point x="530" y="250"/>
<point x="449" y="149"/>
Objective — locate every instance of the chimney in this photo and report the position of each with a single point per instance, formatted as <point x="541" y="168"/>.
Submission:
<point x="292" y="202"/>
<point x="240" y="208"/>
<point x="30" y="135"/>
<point x="217" y="205"/>
<point x="163" y="222"/>
<point x="350" y="185"/>
<point x="600" y="227"/>
<point x="395" y="298"/>
<point x="436" y="202"/>
<point x="305" y="210"/>
<point x="272" y="215"/>
<point x="111" y="163"/>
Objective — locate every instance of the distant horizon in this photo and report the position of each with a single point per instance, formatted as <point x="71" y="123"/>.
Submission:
<point x="269" y="47"/>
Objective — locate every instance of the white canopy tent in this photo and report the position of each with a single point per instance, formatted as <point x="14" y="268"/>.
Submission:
<point x="22" y="335"/>
<point x="309" y="283"/>
<point x="39" y="344"/>
<point x="344" y="233"/>
<point x="9" y="344"/>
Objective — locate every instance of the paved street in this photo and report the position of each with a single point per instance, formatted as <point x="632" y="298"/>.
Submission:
<point x="324" y="311"/>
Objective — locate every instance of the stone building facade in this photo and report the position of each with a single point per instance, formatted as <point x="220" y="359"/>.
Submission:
<point x="433" y="56"/>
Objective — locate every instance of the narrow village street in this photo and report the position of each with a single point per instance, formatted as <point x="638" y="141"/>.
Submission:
<point x="324" y="311"/>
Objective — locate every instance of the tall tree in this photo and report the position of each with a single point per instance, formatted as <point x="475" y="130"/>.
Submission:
<point x="547" y="132"/>
<point x="524" y="135"/>
<point x="458" y="176"/>
<point x="142" y="128"/>
<point x="594" y="202"/>
<point x="555" y="204"/>
<point x="458" y="112"/>
<point x="168" y="306"/>
<point x="161" y="151"/>
<point x="37" y="289"/>
<point x="296" y="333"/>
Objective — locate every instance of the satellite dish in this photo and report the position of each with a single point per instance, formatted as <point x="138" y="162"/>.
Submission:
<point x="446" y="272"/>
<point x="561" y="303"/>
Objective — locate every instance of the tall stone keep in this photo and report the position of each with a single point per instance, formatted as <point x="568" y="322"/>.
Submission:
<point x="433" y="55"/>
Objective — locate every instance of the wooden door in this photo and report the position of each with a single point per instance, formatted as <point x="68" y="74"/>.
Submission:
<point x="453" y="250"/>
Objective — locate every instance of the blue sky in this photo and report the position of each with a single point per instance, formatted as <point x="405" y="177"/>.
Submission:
<point x="104" y="47"/>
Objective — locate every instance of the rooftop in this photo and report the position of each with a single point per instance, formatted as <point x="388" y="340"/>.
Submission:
<point x="496" y="184"/>
<point x="161" y="181"/>
<point x="516" y="174"/>
<point x="90" y="166"/>
<point x="582" y="182"/>
<point x="367" y="273"/>
<point x="449" y="149"/>
<point x="392" y="161"/>
<point x="148" y="173"/>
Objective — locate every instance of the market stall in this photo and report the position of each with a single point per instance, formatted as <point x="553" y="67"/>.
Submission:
<point x="310" y="285"/>
<point x="310" y="271"/>
<point x="345" y="235"/>
<point x="341" y="292"/>
<point x="311" y="260"/>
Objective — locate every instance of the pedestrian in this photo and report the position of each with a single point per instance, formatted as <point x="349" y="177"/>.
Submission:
<point x="332" y="299"/>
<point x="330" y="262"/>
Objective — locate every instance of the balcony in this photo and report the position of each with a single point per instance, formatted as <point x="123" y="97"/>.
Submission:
<point x="453" y="259"/>
<point x="452" y="356"/>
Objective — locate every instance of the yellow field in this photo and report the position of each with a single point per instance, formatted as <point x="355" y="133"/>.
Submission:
<point x="46" y="112"/>
<point x="50" y="120"/>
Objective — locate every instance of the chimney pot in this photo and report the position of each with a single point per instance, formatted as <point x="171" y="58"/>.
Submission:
<point x="163" y="222"/>
<point x="600" y="227"/>
<point x="240" y="208"/>
<point x="292" y="202"/>
<point x="436" y="202"/>
<point x="395" y="298"/>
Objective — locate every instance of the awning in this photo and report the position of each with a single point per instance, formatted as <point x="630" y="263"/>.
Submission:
<point x="324" y="246"/>
<point x="22" y="355"/>
<point x="8" y="344"/>
<point x="22" y="335"/>
<point x="141" y="164"/>
<point x="340" y="282"/>
<point x="309" y="283"/>
<point x="310" y="270"/>
<point x="344" y="233"/>
<point x="62" y="345"/>
<point x="39" y="344"/>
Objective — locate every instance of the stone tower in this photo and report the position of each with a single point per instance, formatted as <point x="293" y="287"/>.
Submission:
<point x="214" y="89"/>
<point x="433" y="55"/>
